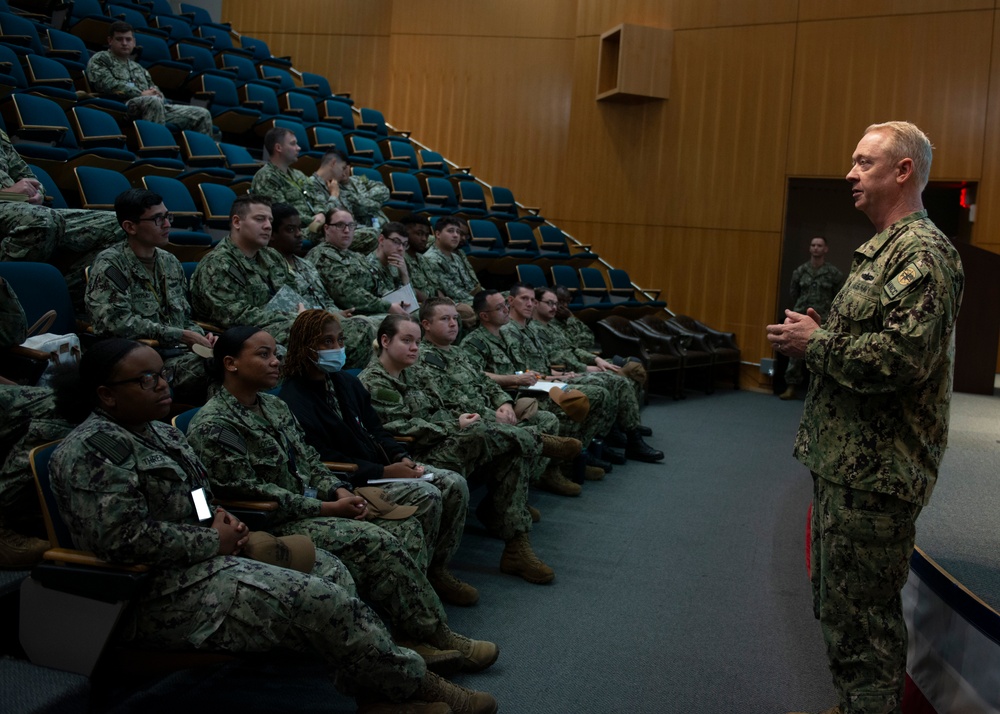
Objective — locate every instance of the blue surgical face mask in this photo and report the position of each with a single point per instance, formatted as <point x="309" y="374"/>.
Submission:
<point x="331" y="361"/>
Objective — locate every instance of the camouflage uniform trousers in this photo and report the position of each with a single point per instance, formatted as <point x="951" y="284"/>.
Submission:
<point x="191" y="380"/>
<point x="382" y="567"/>
<point x="29" y="232"/>
<point x="154" y="109"/>
<point x="543" y="422"/>
<point x="279" y="608"/>
<point x="861" y="547"/>
<point x="623" y="402"/>
<point x="442" y="505"/>
<point x="795" y="373"/>
<point x="598" y="421"/>
<point x="500" y="454"/>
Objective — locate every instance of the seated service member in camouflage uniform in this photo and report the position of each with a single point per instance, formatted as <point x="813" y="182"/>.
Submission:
<point x="348" y="276"/>
<point x="463" y="441"/>
<point x="875" y="422"/>
<point x="13" y="323"/>
<point x="235" y="282"/>
<point x="814" y="284"/>
<point x="124" y="482"/>
<point x="67" y="237"/>
<point x="254" y="449"/>
<point x="286" y="238"/>
<point x="418" y="230"/>
<point x="580" y="335"/>
<point x="137" y="290"/>
<point x="278" y="181"/>
<point x="447" y="266"/>
<point x="486" y="348"/>
<point x="358" y="195"/>
<point x="113" y="71"/>
<point x="336" y="415"/>
<point x="528" y="339"/>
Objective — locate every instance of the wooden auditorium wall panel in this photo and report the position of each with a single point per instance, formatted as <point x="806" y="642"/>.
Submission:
<point x="596" y="16"/>
<point x="499" y="104"/>
<point x="986" y="231"/>
<point x="931" y="69"/>
<point x="711" y="156"/>
<point x="826" y="10"/>
<point x="451" y="19"/>
<point x="309" y="17"/>
<point x="724" y="278"/>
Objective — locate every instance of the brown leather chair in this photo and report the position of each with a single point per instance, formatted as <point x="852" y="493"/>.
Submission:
<point x="659" y="354"/>
<point x="699" y="360"/>
<point x="722" y="344"/>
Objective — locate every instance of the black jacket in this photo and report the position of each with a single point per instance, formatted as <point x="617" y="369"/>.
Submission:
<point x="357" y="438"/>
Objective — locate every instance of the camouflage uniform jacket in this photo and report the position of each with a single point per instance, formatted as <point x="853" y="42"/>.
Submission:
<point x="110" y="75"/>
<point x="815" y="288"/>
<point x="452" y="275"/>
<point x="528" y="347"/>
<point x="579" y="333"/>
<point x="419" y="278"/>
<point x="364" y="199"/>
<point x="456" y="383"/>
<point x="126" y="496"/>
<point x="405" y="408"/>
<point x="561" y="348"/>
<point x="229" y="289"/>
<point x="384" y="278"/>
<point x="124" y="301"/>
<point x="13" y="168"/>
<point x="261" y="457"/>
<point x="13" y="323"/>
<point x="876" y="416"/>
<point x="292" y="187"/>
<point x="489" y="352"/>
<point x="303" y="276"/>
<point x="346" y="275"/>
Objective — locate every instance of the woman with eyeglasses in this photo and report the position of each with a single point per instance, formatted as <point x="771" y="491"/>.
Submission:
<point x="336" y="414"/>
<point x="255" y="450"/>
<point x="125" y="484"/>
<point x="465" y="443"/>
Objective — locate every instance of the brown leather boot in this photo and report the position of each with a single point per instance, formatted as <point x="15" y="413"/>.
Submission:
<point x="20" y="551"/>
<point x="554" y="481"/>
<point x="789" y="393"/>
<point x="519" y="559"/>
<point x="450" y="589"/>
<point x="478" y="654"/>
<point x="536" y="515"/>
<point x="460" y="699"/>
<point x="563" y="448"/>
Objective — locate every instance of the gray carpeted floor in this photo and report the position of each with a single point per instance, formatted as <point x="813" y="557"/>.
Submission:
<point x="679" y="587"/>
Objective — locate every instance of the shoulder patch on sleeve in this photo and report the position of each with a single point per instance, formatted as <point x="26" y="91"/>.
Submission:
<point x="434" y="360"/>
<point x="906" y="277"/>
<point x="230" y="439"/>
<point x="386" y="395"/>
<point x="117" y="278"/>
<point x="114" y="451"/>
<point x="477" y="344"/>
<point x="237" y="275"/>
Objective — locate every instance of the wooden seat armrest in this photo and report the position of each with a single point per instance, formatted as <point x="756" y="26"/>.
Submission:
<point x="83" y="557"/>
<point x="249" y="505"/>
<point x="401" y="195"/>
<point x="209" y="327"/>
<point x="404" y="439"/>
<point x="20" y="351"/>
<point x="341" y="466"/>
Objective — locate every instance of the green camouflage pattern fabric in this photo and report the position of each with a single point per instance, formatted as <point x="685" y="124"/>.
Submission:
<point x="452" y="275"/>
<point x="419" y="278"/>
<point x="30" y="420"/>
<point x="491" y="353"/>
<point x="813" y="288"/>
<point x="861" y="547"/>
<point x="266" y="457"/>
<point x="381" y="279"/>
<point x="502" y="455"/>
<point x="876" y="415"/>
<point x="13" y="323"/>
<point x="124" y="300"/>
<point x="580" y="334"/>
<point x="292" y="187"/>
<point x="345" y="274"/>
<point x="128" y="79"/>
<point x="229" y="289"/>
<point x="359" y="330"/>
<point x="126" y="497"/>
<point x="364" y="199"/>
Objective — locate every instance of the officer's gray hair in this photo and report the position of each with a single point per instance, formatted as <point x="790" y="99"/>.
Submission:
<point x="907" y="141"/>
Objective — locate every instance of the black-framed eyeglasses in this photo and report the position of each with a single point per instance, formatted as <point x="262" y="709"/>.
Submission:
<point x="147" y="380"/>
<point x="341" y="226"/>
<point x="400" y="243"/>
<point x="158" y="219"/>
<point x="550" y="303"/>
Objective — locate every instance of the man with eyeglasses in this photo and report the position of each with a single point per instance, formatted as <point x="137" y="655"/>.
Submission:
<point x="137" y="290"/>
<point x="350" y="278"/>
<point x="242" y="280"/>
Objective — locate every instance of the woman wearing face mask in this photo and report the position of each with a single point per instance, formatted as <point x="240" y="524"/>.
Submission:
<point x="336" y="414"/>
<point x="254" y="449"/>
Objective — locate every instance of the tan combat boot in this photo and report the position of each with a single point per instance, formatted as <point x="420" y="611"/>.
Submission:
<point x="554" y="481"/>
<point x="536" y="515"/>
<point x="450" y="589"/>
<point x="563" y="448"/>
<point x="519" y="559"/>
<point x="789" y="393"/>
<point x="20" y="551"/>
<point x="593" y="473"/>
<point x="478" y="654"/>
<point x="442" y="661"/>
<point x="460" y="699"/>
